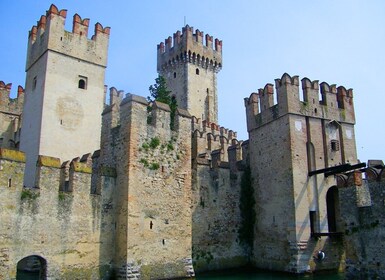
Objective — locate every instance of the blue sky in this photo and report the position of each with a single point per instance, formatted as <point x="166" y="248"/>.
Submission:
<point x="337" y="41"/>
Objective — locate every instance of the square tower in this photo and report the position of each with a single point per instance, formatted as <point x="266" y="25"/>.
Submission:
<point x="290" y="143"/>
<point x="190" y="67"/>
<point x="64" y="91"/>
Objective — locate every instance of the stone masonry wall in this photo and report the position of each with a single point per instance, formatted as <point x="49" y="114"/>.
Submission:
<point x="63" y="228"/>
<point x="362" y="213"/>
<point x="153" y="198"/>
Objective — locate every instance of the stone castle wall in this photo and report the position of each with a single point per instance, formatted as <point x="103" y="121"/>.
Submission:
<point x="363" y="219"/>
<point x="218" y="165"/>
<point x="63" y="227"/>
<point x="10" y="116"/>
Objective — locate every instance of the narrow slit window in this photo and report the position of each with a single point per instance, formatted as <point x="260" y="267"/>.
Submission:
<point x="34" y="83"/>
<point x="197" y="71"/>
<point x="174" y="75"/>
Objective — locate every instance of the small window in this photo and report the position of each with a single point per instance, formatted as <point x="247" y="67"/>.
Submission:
<point x="197" y="71"/>
<point x="34" y="83"/>
<point x="82" y="82"/>
<point x="335" y="145"/>
<point x="174" y="75"/>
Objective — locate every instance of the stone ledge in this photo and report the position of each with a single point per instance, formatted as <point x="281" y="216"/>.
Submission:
<point x="49" y="161"/>
<point x="12" y="155"/>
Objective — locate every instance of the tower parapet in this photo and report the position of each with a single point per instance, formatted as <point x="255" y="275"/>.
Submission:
<point x="49" y="34"/>
<point x="189" y="47"/>
<point x="10" y="105"/>
<point x="336" y="103"/>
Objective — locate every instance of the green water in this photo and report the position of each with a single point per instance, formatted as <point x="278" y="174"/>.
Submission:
<point x="230" y="275"/>
<point x="258" y="275"/>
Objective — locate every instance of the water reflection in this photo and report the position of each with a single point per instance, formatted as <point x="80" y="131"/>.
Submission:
<point x="261" y="275"/>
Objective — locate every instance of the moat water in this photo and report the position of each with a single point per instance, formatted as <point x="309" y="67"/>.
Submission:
<point x="233" y="275"/>
<point x="262" y="275"/>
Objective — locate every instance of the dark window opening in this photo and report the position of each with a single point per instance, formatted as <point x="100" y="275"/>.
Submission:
<point x="66" y="186"/>
<point x="197" y="71"/>
<point x="34" y="83"/>
<point x="163" y="241"/>
<point x="174" y="75"/>
<point x="9" y="182"/>
<point x="82" y="84"/>
<point x="32" y="267"/>
<point x="313" y="218"/>
<point x="151" y="224"/>
<point x="332" y="208"/>
<point x="335" y="145"/>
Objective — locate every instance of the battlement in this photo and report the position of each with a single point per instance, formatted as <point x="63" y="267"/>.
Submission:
<point x="373" y="173"/>
<point x="11" y="105"/>
<point x="70" y="176"/>
<point x="74" y="44"/>
<point x="213" y="128"/>
<point x="214" y="145"/>
<point x="190" y="47"/>
<point x="318" y="100"/>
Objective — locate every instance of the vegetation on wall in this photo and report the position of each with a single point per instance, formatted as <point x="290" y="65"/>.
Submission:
<point x="159" y="92"/>
<point x="156" y="153"/>
<point x="29" y="194"/>
<point x="247" y="208"/>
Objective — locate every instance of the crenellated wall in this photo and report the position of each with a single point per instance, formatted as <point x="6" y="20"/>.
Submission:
<point x="361" y="198"/>
<point x="190" y="67"/>
<point x="219" y="161"/>
<point x="49" y="34"/>
<point x="10" y="116"/>
<point x="187" y="46"/>
<point x="63" y="226"/>
<point x="318" y="101"/>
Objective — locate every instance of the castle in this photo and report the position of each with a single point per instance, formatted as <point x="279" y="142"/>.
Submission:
<point x="95" y="191"/>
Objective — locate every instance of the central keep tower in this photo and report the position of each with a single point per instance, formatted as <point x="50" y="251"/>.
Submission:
<point x="189" y="64"/>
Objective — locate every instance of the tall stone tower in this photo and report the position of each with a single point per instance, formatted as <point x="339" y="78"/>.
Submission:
<point x="64" y="89"/>
<point x="295" y="148"/>
<point x="190" y="66"/>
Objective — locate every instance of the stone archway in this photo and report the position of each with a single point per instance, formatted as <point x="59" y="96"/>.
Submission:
<point x="32" y="268"/>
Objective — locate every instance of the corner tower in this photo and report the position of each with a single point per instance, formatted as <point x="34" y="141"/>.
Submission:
<point x="64" y="90"/>
<point x="295" y="149"/>
<point x="190" y="65"/>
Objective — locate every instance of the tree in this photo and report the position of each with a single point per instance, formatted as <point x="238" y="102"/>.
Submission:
<point x="160" y="92"/>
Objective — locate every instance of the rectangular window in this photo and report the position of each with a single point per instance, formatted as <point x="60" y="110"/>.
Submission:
<point x="335" y="145"/>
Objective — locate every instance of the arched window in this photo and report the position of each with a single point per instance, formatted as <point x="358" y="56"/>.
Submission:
<point x="82" y="84"/>
<point x="197" y="71"/>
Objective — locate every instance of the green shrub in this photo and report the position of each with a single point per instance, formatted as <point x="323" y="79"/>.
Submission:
<point x="154" y="142"/>
<point x="154" y="166"/>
